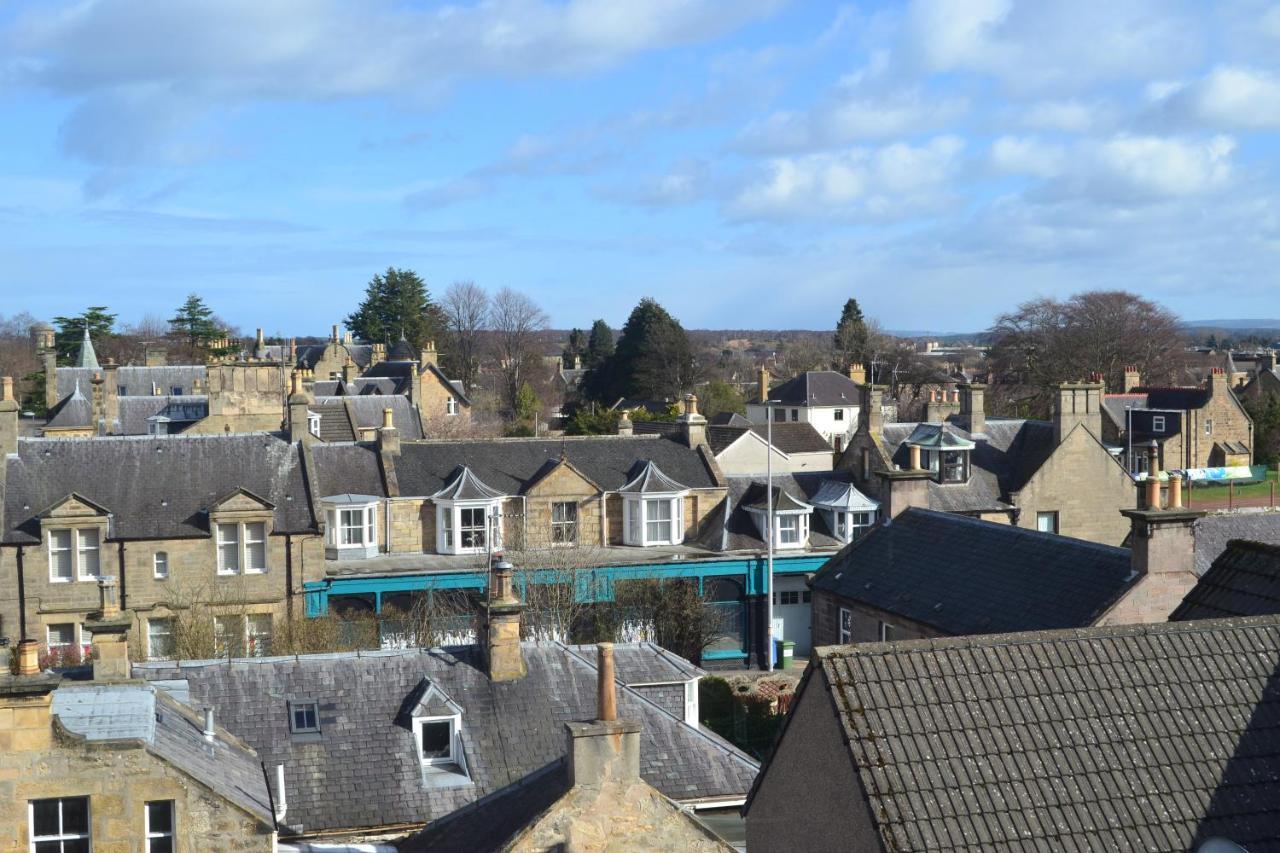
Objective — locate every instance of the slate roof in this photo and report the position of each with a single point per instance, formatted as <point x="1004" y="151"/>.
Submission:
<point x="346" y="468"/>
<point x="1000" y="463"/>
<point x="464" y="485"/>
<point x="155" y="487"/>
<point x="643" y="663"/>
<point x="788" y="437"/>
<point x="181" y="412"/>
<point x="818" y="388"/>
<point x="732" y="419"/>
<point x="1151" y="737"/>
<point x="1181" y="398"/>
<point x="647" y="479"/>
<point x="757" y="498"/>
<point x="338" y="413"/>
<point x="335" y="423"/>
<point x="1243" y="581"/>
<point x="309" y="355"/>
<point x="74" y="410"/>
<point x="938" y="437"/>
<point x="739" y="531"/>
<point x="136" y="379"/>
<point x="508" y="465"/>
<point x="363" y="770"/>
<point x="1115" y="406"/>
<point x="141" y="712"/>
<point x="1211" y="533"/>
<point x="962" y="575"/>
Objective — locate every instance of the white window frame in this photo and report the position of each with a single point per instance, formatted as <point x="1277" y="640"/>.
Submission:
<point x="1208" y="426"/>
<point x="691" y="703"/>
<point x="800" y="529"/>
<point x="48" y="636"/>
<point x="34" y="839"/>
<point x="1050" y="516"/>
<point x="455" y="729"/>
<point x="253" y="638"/>
<point x="450" y="406"/>
<point x="69" y="549"/>
<point x="449" y="527"/>
<point x="636" y="521"/>
<point x="1157" y="424"/>
<point x="151" y="637"/>
<point x="564" y="531"/>
<point x="844" y="626"/>
<point x="247" y="536"/>
<point x="838" y="414"/>
<point x="83" y="533"/>
<point x="172" y="834"/>
<point x="313" y="423"/>
<point x="887" y="631"/>
<point x="297" y="705"/>
<point x="242" y="543"/>
<point x="160" y="565"/>
<point x="364" y="522"/>
<point x="222" y="543"/>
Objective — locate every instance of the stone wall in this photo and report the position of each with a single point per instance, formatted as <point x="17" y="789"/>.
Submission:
<point x="1085" y="486"/>
<point x="244" y="398"/>
<point x="866" y="622"/>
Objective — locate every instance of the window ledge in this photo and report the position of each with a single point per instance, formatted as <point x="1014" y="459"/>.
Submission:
<point x="444" y="776"/>
<point x="306" y="737"/>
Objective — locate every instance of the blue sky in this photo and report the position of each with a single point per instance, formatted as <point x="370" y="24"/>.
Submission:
<point x="749" y="163"/>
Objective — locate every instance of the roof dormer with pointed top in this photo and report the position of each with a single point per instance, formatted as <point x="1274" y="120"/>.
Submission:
<point x="468" y="515"/>
<point x="87" y="358"/>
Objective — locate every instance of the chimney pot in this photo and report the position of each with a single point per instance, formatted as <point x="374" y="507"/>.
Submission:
<point x="387" y="422"/>
<point x="914" y="452"/>
<point x="28" y="657"/>
<point x="209" y="731"/>
<point x="606" y="693"/>
<point x="1175" y="491"/>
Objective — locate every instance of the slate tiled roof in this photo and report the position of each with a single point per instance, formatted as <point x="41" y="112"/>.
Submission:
<point x="309" y="355"/>
<point x="1211" y="533"/>
<point x="155" y="487"/>
<point x="788" y="437"/>
<point x="363" y="770"/>
<point x="1115" y="406"/>
<point x="1150" y="737"/>
<point x="464" y="485"/>
<point x="335" y="423"/>
<point x="137" y="380"/>
<point x="367" y="414"/>
<point x="647" y="479"/>
<point x="346" y="468"/>
<point x="961" y="575"/>
<point x="71" y="412"/>
<point x="508" y="465"/>
<point x="740" y="532"/>
<point x="143" y="713"/>
<point x="818" y="388"/>
<point x="1182" y="398"/>
<point x="181" y="411"/>
<point x="1243" y="581"/>
<point x="1012" y="451"/>
<point x="644" y="663"/>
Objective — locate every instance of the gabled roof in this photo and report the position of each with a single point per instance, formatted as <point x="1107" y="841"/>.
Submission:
<point x="71" y="412"/>
<point x="363" y="771"/>
<point x="1176" y="397"/>
<point x="739" y="532"/>
<point x="1146" y="737"/>
<point x="962" y="575"/>
<point x="157" y="487"/>
<point x="72" y="496"/>
<point x="647" y="478"/>
<point x="818" y="388"/>
<point x="104" y="713"/>
<point x="429" y="700"/>
<point x="788" y="437"/>
<point x="464" y="485"/>
<point x="1212" y="533"/>
<point x="1243" y="581"/>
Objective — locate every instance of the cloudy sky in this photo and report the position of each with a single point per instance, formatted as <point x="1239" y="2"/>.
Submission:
<point x="749" y="163"/>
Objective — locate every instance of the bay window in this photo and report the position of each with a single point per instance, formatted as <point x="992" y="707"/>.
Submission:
<point x="653" y="520"/>
<point x="351" y="528"/>
<point x="466" y="528"/>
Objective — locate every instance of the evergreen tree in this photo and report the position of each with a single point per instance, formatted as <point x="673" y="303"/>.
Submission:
<point x="397" y="302"/>
<point x="69" y="332"/>
<point x="852" y="337"/>
<point x="599" y="345"/>
<point x="576" y="347"/>
<point x="654" y="360"/>
<point x="195" y="327"/>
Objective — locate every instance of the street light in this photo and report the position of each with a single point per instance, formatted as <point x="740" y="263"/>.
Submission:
<point x="768" y="538"/>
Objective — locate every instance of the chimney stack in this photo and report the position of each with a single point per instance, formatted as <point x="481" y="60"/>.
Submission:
<point x="1162" y="546"/>
<point x="388" y="436"/>
<point x="973" y="416"/>
<point x="502" y="627"/>
<point x="333" y="334"/>
<point x="873" y="417"/>
<point x="606" y="692"/>
<point x="1219" y="383"/>
<point x="111" y="396"/>
<point x="606" y="748"/>
<point x="8" y="418"/>
<point x="693" y="426"/>
<point x="1152" y="483"/>
<point x="1078" y="403"/>
<point x="110" y="629"/>
<point x="762" y="385"/>
<point x="625" y="426"/>
<point x="300" y="401"/>
<point x="349" y="371"/>
<point x="99" y="404"/>
<point x="26" y="700"/>
<point x="429" y="355"/>
<point x="857" y="374"/>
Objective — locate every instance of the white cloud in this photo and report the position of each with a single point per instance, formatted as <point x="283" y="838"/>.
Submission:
<point x="876" y="183"/>
<point x="1023" y="156"/>
<point x="1230" y="96"/>
<point x="1164" y="167"/>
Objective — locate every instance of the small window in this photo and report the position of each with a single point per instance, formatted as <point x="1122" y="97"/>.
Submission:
<point x="60" y="558"/>
<point x="60" y="826"/>
<point x="795" y="414"/>
<point x="176" y="390"/>
<point x="255" y="547"/>
<point x="1208" y="426"/>
<point x="788" y="529"/>
<point x="451" y="406"/>
<point x="61" y="636"/>
<point x="160" y="565"/>
<point x="160" y="826"/>
<point x="228" y="549"/>
<point x="259" y="628"/>
<point x="839" y="414"/>
<point x="1157" y="423"/>
<point x="304" y="717"/>
<point x="1047" y="522"/>
<point x="159" y="639"/>
<point x="313" y="424"/>
<point x="806" y="597"/>
<point x="846" y="625"/>
<point x="779" y="414"/>
<point x="436" y="740"/>
<point x="786" y="596"/>
<point x="564" y="522"/>
<point x="887" y="632"/>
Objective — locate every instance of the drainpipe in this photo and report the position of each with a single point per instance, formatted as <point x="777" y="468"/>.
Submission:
<point x="282" y="803"/>
<point x="124" y="595"/>
<point x="288" y="576"/>
<point x="386" y="523"/>
<point x="22" y="598"/>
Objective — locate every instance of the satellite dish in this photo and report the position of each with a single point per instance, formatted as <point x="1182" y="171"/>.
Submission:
<point x="1219" y="845"/>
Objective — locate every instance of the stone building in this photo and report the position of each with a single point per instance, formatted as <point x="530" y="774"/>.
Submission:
<point x="1198" y="426"/>
<point x="1053" y="476"/>
<point x="110" y="764"/>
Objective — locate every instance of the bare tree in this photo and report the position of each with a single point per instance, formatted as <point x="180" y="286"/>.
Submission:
<point x="672" y="613"/>
<point x="559" y="582"/>
<point x="516" y="321"/>
<point x="466" y="310"/>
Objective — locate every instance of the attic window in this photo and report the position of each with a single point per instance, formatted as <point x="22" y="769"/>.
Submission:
<point x="313" y="424"/>
<point x="437" y="739"/>
<point x="304" y="717"/>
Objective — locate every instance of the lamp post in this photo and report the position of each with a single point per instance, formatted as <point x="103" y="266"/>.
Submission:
<point x="769" y="526"/>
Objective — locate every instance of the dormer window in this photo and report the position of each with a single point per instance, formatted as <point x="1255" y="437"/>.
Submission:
<point x="351" y="526"/>
<point x="943" y="452"/>
<point x="436" y="723"/>
<point x="437" y="739"/>
<point x="847" y="512"/>
<point x="468" y="515"/>
<point x="652" y="508"/>
<point x="955" y="466"/>
<point x="790" y="516"/>
<point x="313" y="423"/>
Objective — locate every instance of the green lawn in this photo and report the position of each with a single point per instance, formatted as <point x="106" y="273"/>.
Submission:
<point x="1218" y="491"/>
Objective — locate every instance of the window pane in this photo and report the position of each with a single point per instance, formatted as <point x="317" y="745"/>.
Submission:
<point x="162" y="564"/>
<point x="60" y="554"/>
<point x="160" y="845"/>
<point x="75" y="815"/>
<point x="160" y="816"/>
<point x="435" y="739"/>
<point x="44" y="817"/>
<point x="229" y="547"/>
<point x="49" y="847"/>
<point x="62" y="634"/>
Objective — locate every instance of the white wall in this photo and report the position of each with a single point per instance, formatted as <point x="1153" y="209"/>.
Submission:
<point x="748" y="455"/>
<point x="822" y="418"/>
<point x="796" y="618"/>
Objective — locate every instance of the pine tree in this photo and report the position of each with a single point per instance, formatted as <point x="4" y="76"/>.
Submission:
<point x="70" y="331"/>
<point x="195" y="327"/>
<point x="852" y="338"/>
<point x="599" y="344"/>
<point x="397" y="303"/>
<point x="654" y="360"/>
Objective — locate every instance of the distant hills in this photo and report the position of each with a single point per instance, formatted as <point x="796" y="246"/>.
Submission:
<point x="1233" y="325"/>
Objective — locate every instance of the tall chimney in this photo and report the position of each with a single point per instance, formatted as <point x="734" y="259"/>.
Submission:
<point x="300" y="401"/>
<point x="99" y="403"/>
<point x="606" y="692"/>
<point x="605" y="748"/>
<point x="625" y="426"/>
<point x="873" y="417"/>
<point x="857" y="374"/>
<point x="1132" y="378"/>
<point x="693" y="426"/>
<point x="762" y="385"/>
<point x="429" y="355"/>
<point x="8" y="418"/>
<point x="973" y="416"/>
<point x="334" y="336"/>
<point x="388" y="436"/>
<point x="349" y="371"/>
<point x="1078" y="403"/>
<point x="111" y="396"/>
<point x="110" y="629"/>
<point x="502" y="627"/>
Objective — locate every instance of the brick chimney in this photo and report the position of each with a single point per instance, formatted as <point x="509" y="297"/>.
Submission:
<point x="693" y="426"/>
<point x="625" y="426"/>
<point x="8" y="419"/>
<point x="1162" y="552"/>
<point x="604" y="749"/>
<point x="429" y="355"/>
<point x="26" y="699"/>
<point x="300" y="401"/>
<point x="110" y="631"/>
<point x="902" y="489"/>
<point x="857" y="374"/>
<point x="762" y="384"/>
<point x="111" y="396"/>
<point x="388" y="436"/>
<point x="973" y="416"/>
<point x="1077" y="403"/>
<point x="873" y="408"/>
<point x="501" y="627"/>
